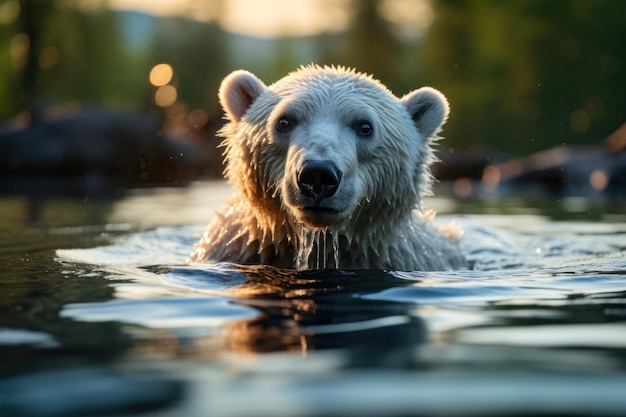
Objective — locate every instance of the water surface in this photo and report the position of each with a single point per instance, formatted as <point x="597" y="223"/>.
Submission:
<point x="101" y="315"/>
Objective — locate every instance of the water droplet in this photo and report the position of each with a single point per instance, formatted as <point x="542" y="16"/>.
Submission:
<point x="315" y="238"/>
<point x="323" y="245"/>
<point x="316" y="241"/>
<point x="335" y="249"/>
<point x="305" y="246"/>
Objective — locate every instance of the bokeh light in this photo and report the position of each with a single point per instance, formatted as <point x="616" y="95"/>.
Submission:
<point x="20" y="44"/>
<point x="579" y="120"/>
<point x="161" y="74"/>
<point x="9" y="11"/>
<point x="49" y="58"/>
<point x="462" y="187"/>
<point x="197" y="118"/>
<point x="165" y="96"/>
<point x="599" y="179"/>
<point x="491" y="176"/>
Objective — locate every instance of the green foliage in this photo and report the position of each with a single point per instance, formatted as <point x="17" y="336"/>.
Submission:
<point x="523" y="76"/>
<point x="520" y="75"/>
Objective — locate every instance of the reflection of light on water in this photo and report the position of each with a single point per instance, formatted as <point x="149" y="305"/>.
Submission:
<point x="18" y="337"/>
<point x="195" y="204"/>
<point x="163" y="313"/>
<point x="359" y="325"/>
<point x="597" y="334"/>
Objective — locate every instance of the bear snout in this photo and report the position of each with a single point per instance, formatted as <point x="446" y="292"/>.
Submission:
<point x="318" y="179"/>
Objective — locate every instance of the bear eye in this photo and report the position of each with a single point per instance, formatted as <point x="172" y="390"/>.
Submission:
<point x="364" y="129"/>
<point x="284" y="124"/>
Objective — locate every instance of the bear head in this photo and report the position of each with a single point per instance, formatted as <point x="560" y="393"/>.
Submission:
<point x="328" y="147"/>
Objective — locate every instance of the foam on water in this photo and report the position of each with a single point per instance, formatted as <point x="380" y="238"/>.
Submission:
<point x="501" y="259"/>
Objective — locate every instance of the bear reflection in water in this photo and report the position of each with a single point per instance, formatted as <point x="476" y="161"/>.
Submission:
<point x="329" y="169"/>
<point x="305" y="311"/>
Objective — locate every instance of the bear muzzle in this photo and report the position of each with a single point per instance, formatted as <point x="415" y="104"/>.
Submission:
<point x="318" y="203"/>
<point x="318" y="180"/>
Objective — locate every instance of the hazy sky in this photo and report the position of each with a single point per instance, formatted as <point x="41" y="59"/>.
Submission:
<point x="271" y="18"/>
<point x="253" y="17"/>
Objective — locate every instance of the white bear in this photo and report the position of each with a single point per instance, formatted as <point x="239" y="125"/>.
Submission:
<point x="329" y="169"/>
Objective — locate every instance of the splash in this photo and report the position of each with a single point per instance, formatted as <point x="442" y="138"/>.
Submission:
<point x="313" y="250"/>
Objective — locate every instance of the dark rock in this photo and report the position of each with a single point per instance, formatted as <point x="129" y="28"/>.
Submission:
<point x="99" y="148"/>
<point x="454" y="164"/>
<point x="582" y="171"/>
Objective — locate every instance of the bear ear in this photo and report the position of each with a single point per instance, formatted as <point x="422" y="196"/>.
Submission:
<point x="428" y="108"/>
<point x="238" y="91"/>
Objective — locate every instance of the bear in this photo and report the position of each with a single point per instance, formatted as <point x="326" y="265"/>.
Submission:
<point x="330" y="169"/>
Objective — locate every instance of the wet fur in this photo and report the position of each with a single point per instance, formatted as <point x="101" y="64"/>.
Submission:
<point x="386" y="175"/>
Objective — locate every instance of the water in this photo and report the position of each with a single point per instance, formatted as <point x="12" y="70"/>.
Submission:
<point x="315" y="241"/>
<point x="100" y="315"/>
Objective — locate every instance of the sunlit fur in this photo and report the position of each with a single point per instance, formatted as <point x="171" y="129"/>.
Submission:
<point x="384" y="176"/>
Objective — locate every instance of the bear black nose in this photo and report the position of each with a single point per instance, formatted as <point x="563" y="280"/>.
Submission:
<point x="318" y="179"/>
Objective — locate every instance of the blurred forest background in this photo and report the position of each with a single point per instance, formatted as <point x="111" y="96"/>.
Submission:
<point x="521" y="76"/>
